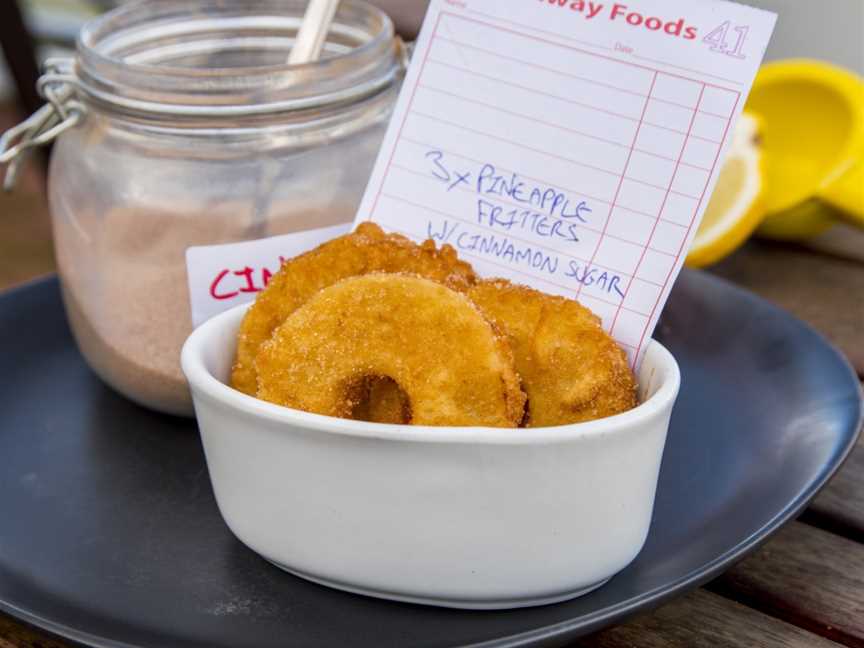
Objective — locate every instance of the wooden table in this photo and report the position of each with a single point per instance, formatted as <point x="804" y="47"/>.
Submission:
<point x="804" y="588"/>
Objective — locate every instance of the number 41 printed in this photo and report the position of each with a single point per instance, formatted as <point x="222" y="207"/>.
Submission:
<point x="718" y="39"/>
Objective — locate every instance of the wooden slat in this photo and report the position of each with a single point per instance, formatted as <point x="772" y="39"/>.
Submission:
<point x="25" y="238"/>
<point x="705" y="619"/>
<point x="805" y="576"/>
<point x="824" y="290"/>
<point x="15" y="635"/>
<point x="840" y="507"/>
<point x="26" y="249"/>
<point x="841" y="241"/>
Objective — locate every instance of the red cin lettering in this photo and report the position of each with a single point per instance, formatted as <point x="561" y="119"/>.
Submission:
<point x="250" y="286"/>
<point x="224" y="286"/>
<point x="215" y="292"/>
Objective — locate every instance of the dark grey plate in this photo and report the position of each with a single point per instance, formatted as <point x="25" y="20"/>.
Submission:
<point x="109" y="534"/>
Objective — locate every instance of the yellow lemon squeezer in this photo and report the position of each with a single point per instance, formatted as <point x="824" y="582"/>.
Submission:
<point x="811" y="117"/>
<point x="795" y="166"/>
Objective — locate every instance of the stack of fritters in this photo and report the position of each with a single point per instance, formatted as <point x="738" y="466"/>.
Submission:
<point x="374" y="327"/>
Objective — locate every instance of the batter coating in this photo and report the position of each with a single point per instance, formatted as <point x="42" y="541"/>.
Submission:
<point x="432" y="341"/>
<point x="571" y="369"/>
<point x="367" y="249"/>
<point x="382" y="401"/>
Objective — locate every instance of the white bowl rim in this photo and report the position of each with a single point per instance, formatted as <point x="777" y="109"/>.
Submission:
<point x="205" y="383"/>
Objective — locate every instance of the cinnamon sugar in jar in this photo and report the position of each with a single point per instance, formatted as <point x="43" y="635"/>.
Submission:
<point x="192" y="130"/>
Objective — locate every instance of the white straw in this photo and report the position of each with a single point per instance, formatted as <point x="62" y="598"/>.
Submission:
<point x="313" y="31"/>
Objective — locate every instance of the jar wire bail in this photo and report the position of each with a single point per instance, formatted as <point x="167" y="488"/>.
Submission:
<point x="61" y="113"/>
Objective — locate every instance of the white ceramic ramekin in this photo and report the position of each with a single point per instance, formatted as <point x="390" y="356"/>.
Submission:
<point x="460" y="517"/>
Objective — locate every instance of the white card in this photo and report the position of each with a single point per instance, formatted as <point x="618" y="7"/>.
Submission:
<point x="569" y="146"/>
<point x="223" y="276"/>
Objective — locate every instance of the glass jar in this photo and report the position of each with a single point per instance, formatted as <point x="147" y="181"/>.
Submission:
<point x="191" y="129"/>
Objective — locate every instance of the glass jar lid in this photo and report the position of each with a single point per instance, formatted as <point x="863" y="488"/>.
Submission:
<point x="209" y="58"/>
<point x="181" y="66"/>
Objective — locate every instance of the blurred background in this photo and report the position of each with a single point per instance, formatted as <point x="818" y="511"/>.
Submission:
<point x="829" y="29"/>
<point x="789" y="273"/>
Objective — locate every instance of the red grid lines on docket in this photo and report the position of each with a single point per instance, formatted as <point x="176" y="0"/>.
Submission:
<point x="635" y="275"/>
<point x="620" y="180"/>
<point x="404" y="119"/>
<point x="681" y="249"/>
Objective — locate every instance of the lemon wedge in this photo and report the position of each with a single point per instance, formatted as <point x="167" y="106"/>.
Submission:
<point x="735" y="209"/>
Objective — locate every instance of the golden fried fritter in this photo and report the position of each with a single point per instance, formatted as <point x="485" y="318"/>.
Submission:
<point x="571" y="369"/>
<point x="366" y="250"/>
<point x="380" y="400"/>
<point x="433" y="342"/>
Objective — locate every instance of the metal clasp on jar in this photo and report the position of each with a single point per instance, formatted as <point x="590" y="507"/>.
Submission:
<point x="62" y="112"/>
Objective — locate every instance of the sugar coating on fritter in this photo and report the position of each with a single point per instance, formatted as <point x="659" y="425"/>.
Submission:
<point x="381" y="400"/>
<point x="368" y="249"/>
<point x="437" y="346"/>
<point x="571" y="369"/>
